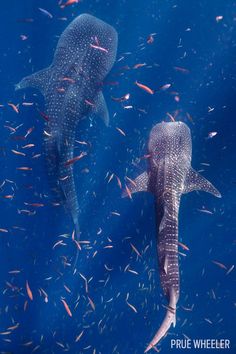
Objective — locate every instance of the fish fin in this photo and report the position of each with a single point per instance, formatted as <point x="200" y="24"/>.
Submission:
<point x="194" y="181"/>
<point x="166" y="264"/>
<point x="169" y="319"/>
<point x="38" y="80"/>
<point x="100" y="108"/>
<point x="140" y="184"/>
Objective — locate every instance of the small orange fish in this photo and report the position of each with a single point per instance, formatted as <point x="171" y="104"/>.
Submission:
<point x="77" y="244"/>
<point x="131" y="181"/>
<point x="144" y="87"/>
<point x="150" y="39"/>
<point x="44" y="116"/>
<point x="128" y="191"/>
<point x="13" y="130"/>
<point x="72" y="81"/>
<point x="36" y="205"/>
<point x="61" y="90"/>
<point x="68" y="3"/>
<point x="18" y="153"/>
<point x="77" y="158"/>
<point x="29" y="131"/>
<point x="24" y="168"/>
<point x="89" y="103"/>
<point x="29" y="292"/>
<point x="135" y="250"/>
<point x="14" y="107"/>
<point x="119" y="182"/>
<point x="221" y="265"/>
<point x="183" y="246"/>
<point x="66" y="307"/>
<point x="91" y="303"/>
<point x="8" y="196"/>
<point x="139" y="65"/>
<point x="99" y="48"/>
<point x="67" y="289"/>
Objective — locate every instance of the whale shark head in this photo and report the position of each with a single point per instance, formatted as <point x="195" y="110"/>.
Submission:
<point x="87" y="44"/>
<point x="172" y="138"/>
<point x="86" y="50"/>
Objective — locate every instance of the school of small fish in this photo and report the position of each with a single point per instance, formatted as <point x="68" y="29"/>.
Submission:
<point x="89" y="304"/>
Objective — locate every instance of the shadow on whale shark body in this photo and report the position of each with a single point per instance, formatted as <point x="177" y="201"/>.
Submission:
<point x="71" y="86"/>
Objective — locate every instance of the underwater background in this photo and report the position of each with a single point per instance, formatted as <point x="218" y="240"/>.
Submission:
<point x="115" y="298"/>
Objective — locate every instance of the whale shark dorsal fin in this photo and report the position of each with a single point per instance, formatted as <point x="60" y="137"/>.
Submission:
<point x="39" y="80"/>
<point x="195" y="182"/>
<point x="100" y="108"/>
<point x="140" y="184"/>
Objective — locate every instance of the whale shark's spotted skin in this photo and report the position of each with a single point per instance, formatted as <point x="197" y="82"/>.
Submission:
<point x="71" y="86"/>
<point x="169" y="175"/>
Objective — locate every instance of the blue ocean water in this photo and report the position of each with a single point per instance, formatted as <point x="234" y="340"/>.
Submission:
<point x="193" y="50"/>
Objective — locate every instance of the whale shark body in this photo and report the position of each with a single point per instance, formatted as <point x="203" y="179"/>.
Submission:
<point x="71" y="86"/>
<point x="169" y="175"/>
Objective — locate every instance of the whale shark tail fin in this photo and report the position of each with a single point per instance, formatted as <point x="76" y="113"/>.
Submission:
<point x="169" y="319"/>
<point x="38" y="80"/>
<point x="140" y="184"/>
<point x="194" y="181"/>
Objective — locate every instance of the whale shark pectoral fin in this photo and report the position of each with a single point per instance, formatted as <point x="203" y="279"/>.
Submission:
<point x="100" y="108"/>
<point x="194" y="181"/>
<point x="38" y="80"/>
<point x="140" y="184"/>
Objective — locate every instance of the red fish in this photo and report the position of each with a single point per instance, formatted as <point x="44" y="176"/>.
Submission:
<point x="29" y="292"/>
<point x="145" y="88"/>
<point x="68" y="3"/>
<point x="77" y="158"/>
<point x="14" y="107"/>
<point x="66" y="307"/>
<point x="99" y="48"/>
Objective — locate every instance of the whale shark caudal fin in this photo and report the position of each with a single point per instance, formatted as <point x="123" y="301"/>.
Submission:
<point x="194" y="181"/>
<point x="169" y="319"/>
<point x="140" y="184"/>
<point x="39" y="80"/>
<point x="100" y="108"/>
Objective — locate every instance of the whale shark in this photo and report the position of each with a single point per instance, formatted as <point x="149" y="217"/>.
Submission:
<point x="168" y="176"/>
<point x="72" y="89"/>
